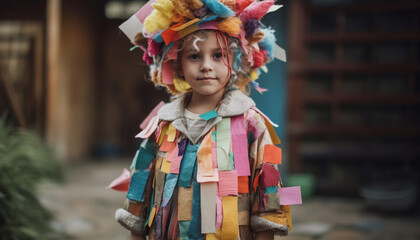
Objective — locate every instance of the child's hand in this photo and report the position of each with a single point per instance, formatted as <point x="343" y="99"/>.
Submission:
<point x="264" y="236"/>
<point x="136" y="237"/>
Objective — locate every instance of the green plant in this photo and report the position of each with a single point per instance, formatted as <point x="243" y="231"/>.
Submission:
<point x="25" y="160"/>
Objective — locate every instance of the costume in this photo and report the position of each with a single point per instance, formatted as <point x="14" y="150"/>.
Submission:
<point x="225" y="185"/>
<point x="228" y="181"/>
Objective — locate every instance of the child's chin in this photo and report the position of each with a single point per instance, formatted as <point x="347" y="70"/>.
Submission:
<point x="209" y="92"/>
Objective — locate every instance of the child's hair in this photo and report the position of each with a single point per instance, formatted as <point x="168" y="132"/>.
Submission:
<point x="173" y="23"/>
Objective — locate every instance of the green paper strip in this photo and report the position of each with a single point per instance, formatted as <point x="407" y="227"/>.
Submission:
<point x="223" y="145"/>
<point x="184" y="226"/>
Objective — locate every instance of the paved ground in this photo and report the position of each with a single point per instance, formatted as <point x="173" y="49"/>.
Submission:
<point x="84" y="209"/>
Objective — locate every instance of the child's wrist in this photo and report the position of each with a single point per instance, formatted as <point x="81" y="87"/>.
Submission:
<point x="264" y="236"/>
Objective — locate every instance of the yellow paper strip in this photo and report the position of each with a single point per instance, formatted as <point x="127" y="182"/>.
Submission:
<point x="213" y="236"/>
<point x="152" y="216"/>
<point x="184" y="32"/>
<point x="171" y="133"/>
<point x="162" y="134"/>
<point x="166" y="166"/>
<point x="186" y="24"/>
<point x="230" y="227"/>
<point x="274" y="138"/>
<point x="254" y="75"/>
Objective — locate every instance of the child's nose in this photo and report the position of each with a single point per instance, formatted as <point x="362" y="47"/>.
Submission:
<point x="206" y="65"/>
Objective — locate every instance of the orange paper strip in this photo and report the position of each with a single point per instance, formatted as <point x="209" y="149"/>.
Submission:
<point x="243" y="184"/>
<point x="204" y="157"/>
<point x="166" y="145"/>
<point x="256" y="181"/>
<point x="272" y="154"/>
<point x="185" y="24"/>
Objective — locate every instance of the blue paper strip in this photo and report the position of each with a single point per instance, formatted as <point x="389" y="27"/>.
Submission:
<point x="194" y="231"/>
<point x="183" y="229"/>
<point x="166" y="48"/>
<point x="170" y="184"/>
<point x="137" y="185"/>
<point x="146" y="154"/>
<point x="187" y="166"/>
<point x="207" y="19"/>
<point x="272" y="189"/>
<point x="209" y="115"/>
<point x="158" y="38"/>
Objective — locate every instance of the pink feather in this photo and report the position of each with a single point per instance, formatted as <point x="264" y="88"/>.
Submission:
<point x="256" y="10"/>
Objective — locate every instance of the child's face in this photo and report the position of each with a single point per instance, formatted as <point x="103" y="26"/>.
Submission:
<point x="205" y="70"/>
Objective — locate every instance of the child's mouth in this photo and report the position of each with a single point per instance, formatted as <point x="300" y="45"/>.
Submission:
<point x="206" y="78"/>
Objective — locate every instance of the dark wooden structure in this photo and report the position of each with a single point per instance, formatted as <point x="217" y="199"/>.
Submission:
<point x="354" y="91"/>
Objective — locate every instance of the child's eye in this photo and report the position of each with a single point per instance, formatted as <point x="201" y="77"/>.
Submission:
<point x="194" y="57"/>
<point x="218" y="55"/>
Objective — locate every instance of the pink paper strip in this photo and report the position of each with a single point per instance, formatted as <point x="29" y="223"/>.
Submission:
<point x="240" y="145"/>
<point x="290" y="195"/>
<point x="151" y="127"/>
<point x="172" y="153"/>
<point x="219" y="212"/>
<point x="172" y="54"/>
<point x="122" y="182"/>
<point x="208" y="25"/>
<point x="253" y="124"/>
<point x="244" y="42"/>
<point x="145" y="11"/>
<point x="153" y="113"/>
<point x="228" y="183"/>
<point x="167" y="73"/>
<point x="269" y="176"/>
<point x="175" y="160"/>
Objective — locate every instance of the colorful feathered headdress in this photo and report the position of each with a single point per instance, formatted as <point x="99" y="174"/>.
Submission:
<point x="159" y="23"/>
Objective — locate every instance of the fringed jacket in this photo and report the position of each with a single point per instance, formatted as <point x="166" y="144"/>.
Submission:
<point x="224" y="186"/>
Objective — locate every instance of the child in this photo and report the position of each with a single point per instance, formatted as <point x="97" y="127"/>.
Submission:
<point x="207" y="168"/>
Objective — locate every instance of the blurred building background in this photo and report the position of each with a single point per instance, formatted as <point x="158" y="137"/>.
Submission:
<point x="347" y="101"/>
<point x="348" y="109"/>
